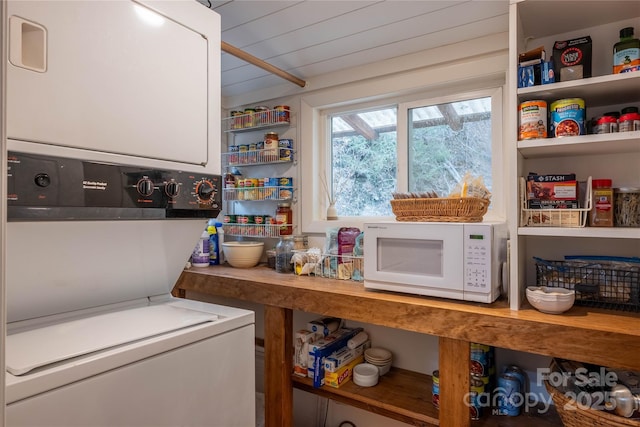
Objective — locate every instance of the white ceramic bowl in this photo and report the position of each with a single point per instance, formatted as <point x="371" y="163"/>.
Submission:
<point x="365" y="375"/>
<point x="242" y="254"/>
<point x="551" y="300"/>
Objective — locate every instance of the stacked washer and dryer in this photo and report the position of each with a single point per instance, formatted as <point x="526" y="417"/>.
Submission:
<point x="113" y="168"/>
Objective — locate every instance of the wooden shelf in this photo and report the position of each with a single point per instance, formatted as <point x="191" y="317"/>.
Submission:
<point x="401" y="394"/>
<point x="406" y="396"/>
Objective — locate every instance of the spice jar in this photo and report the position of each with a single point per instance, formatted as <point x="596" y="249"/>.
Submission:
<point x="300" y="242"/>
<point x="627" y="207"/>
<point x="284" y="252"/>
<point x="284" y="219"/>
<point x="601" y="214"/>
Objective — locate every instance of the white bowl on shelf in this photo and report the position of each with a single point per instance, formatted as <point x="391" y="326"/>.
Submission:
<point x="551" y="300"/>
<point x="242" y="254"/>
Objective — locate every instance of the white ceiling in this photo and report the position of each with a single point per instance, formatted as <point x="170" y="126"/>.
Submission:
<point x="312" y="38"/>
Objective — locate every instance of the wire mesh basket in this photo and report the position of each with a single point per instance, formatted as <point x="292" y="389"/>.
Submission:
<point x="600" y="285"/>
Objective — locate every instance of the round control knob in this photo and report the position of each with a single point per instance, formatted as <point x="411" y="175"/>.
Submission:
<point x="42" y="180"/>
<point x="171" y="189"/>
<point x="205" y="191"/>
<point x="145" y="187"/>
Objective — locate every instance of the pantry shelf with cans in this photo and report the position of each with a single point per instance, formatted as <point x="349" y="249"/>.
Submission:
<point x="259" y="166"/>
<point x="574" y="140"/>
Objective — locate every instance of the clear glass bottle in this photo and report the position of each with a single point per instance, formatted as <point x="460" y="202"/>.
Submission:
<point x="284" y="251"/>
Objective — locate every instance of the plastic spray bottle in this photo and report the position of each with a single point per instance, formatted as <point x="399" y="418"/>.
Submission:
<point x="214" y="242"/>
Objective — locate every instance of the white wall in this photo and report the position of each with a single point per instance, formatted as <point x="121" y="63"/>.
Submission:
<point x="470" y="63"/>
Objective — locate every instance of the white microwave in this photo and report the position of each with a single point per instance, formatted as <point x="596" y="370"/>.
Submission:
<point x="463" y="261"/>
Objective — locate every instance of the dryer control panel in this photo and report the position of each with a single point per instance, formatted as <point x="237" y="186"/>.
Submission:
<point x="57" y="188"/>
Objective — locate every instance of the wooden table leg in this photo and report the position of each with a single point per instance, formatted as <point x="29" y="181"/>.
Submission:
<point x="454" y="382"/>
<point x="278" y="362"/>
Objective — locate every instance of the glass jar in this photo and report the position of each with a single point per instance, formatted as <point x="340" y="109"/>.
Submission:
<point x="284" y="251"/>
<point x="284" y="219"/>
<point x="300" y="242"/>
<point x="627" y="207"/>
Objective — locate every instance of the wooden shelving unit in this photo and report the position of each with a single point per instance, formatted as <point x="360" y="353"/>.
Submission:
<point x="406" y="396"/>
<point x="400" y="394"/>
<point x="585" y="334"/>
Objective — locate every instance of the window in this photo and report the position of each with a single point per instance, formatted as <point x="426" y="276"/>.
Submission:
<point x="424" y="146"/>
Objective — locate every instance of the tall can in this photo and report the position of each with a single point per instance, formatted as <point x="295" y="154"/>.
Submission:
<point x="520" y="374"/>
<point x="510" y="397"/>
<point x="533" y="120"/>
<point x="567" y="117"/>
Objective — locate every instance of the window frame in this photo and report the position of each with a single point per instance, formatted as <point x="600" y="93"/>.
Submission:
<point x="438" y="79"/>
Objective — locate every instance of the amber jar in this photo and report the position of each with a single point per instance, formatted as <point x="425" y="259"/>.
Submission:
<point x="284" y="218"/>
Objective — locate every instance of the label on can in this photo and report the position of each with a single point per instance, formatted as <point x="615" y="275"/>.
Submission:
<point x="533" y="120"/>
<point x="567" y="117"/>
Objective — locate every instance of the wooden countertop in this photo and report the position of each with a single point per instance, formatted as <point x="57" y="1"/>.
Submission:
<point x="603" y="337"/>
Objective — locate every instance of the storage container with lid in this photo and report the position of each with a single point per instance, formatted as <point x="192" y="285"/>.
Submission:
<point x="627" y="207"/>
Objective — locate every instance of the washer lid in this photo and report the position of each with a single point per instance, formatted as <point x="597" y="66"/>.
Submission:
<point x="40" y="347"/>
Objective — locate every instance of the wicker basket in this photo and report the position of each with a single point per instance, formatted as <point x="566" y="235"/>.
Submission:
<point x="573" y="415"/>
<point x="464" y="209"/>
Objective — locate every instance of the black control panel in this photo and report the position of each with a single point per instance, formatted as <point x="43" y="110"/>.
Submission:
<point x="57" y="188"/>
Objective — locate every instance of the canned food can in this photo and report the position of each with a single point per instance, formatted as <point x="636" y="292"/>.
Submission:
<point x="262" y="115"/>
<point x="510" y="397"/>
<point x="480" y="359"/>
<point x="282" y="113"/>
<point x="229" y="219"/>
<point x="243" y="156"/>
<point x="236" y="119"/>
<point x="568" y="117"/>
<point x="533" y="120"/>
<point x="249" y="118"/>
<point x="435" y="389"/>
<point x="233" y="154"/>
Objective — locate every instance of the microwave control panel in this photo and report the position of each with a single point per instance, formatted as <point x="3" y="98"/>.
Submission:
<point x="477" y="258"/>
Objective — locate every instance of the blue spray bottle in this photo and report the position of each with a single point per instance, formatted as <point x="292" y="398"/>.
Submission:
<point x="214" y="246"/>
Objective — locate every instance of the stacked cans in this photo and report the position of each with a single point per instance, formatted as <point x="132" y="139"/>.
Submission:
<point x="482" y="371"/>
<point x="511" y="391"/>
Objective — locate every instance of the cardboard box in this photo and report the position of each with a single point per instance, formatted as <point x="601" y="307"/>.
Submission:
<point x="558" y="191"/>
<point x="552" y="218"/>
<point x="572" y="59"/>
<point x="323" y="348"/>
<point x="302" y="339"/>
<point x="342" y="375"/>
<point x="344" y="356"/>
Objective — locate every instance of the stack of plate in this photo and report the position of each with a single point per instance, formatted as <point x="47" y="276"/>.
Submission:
<point x="366" y="375"/>
<point x="379" y="357"/>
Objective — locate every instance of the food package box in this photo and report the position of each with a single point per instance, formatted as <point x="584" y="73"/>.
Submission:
<point x="302" y="339"/>
<point x="572" y="59"/>
<point x="323" y="348"/>
<point x="345" y="355"/>
<point x="324" y="325"/>
<point x="552" y="191"/>
<point x="342" y="375"/>
<point x="553" y="218"/>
